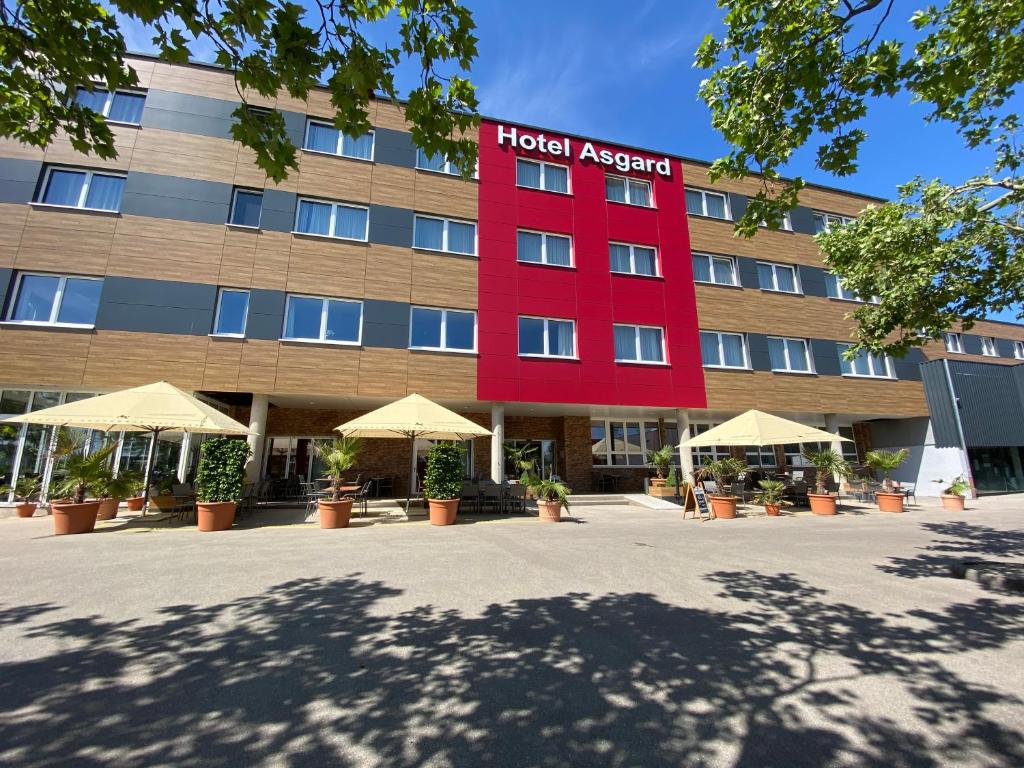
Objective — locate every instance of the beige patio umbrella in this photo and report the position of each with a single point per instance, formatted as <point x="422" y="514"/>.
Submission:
<point x="760" y="428"/>
<point x="154" y="408"/>
<point x="413" y="417"/>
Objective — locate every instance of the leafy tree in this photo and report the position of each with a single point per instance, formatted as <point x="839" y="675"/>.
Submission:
<point x="805" y="72"/>
<point x="48" y="48"/>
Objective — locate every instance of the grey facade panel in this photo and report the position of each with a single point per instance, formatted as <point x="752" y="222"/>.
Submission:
<point x="391" y="226"/>
<point x="802" y="220"/>
<point x="266" y="314"/>
<point x="757" y="344"/>
<point x="278" y="212"/>
<point x="295" y="126"/>
<point x="1005" y="347"/>
<point x="18" y="179"/>
<point x="908" y="367"/>
<point x="394" y="148"/>
<point x="812" y="281"/>
<point x="941" y="405"/>
<point x="6" y="276"/>
<point x="737" y="205"/>
<point x="747" y="268"/>
<point x="171" y="101"/>
<point x="156" y="306"/>
<point x="184" y="122"/>
<point x="168" y="197"/>
<point x="385" y="324"/>
<point x="991" y="411"/>
<point x="826" y="357"/>
<point x="972" y="343"/>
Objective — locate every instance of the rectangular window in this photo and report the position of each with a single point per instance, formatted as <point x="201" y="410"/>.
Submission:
<point x="789" y="355"/>
<point x="324" y="137"/>
<point x="449" y="235"/>
<point x="988" y="347"/>
<point x="634" y="259"/>
<point x="639" y="344"/>
<point x="537" y="175"/>
<point x="700" y="202"/>
<point x="1018" y="350"/>
<point x="620" y="189"/>
<point x="623" y="443"/>
<point x="865" y="364"/>
<point x="311" y="318"/>
<point x="763" y="456"/>
<point x="544" y="248"/>
<point x="836" y="290"/>
<point x="82" y="189"/>
<point x="720" y="270"/>
<point x="116" y="106"/>
<point x="713" y="452"/>
<point x="723" y="350"/>
<point x="436" y="163"/>
<point x="777" y="277"/>
<point x="246" y="206"/>
<point x="547" y="337"/>
<point x="850" y="448"/>
<point x="319" y="217"/>
<point x="953" y="342"/>
<point x="232" y="311"/>
<point x="41" y="299"/>
<point x="442" y="329"/>
<point x="823" y="222"/>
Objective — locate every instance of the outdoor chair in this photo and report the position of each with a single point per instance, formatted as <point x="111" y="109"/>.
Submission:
<point x="517" y="498"/>
<point x="471" y="496"/>
<point x="247" y="504"/>
<point x="606" y="484"/>
<point x="909" y="490"/>
<point x="492" y="496"/>
<point x="312" y="495"/>
<point x="361" y="498"/>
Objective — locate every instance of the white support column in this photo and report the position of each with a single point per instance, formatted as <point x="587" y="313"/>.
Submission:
<point x="498" y="442"/>
<point x="258" y="424"/>
<point x="832" y="425"/>
<point x="685" y="456"/>
<point x="186" y="447"/>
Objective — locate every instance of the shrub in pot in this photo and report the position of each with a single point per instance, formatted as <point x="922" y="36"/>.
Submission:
<point x="163" y="499"/>
<point x="523" y="458"/>
<point x="78" y="474"/>
<point x="887" y="462"/>
<point x="826" y="463"/>
<point x="770" y="496"/>
<point x="954" y="493"/>
<point x="219" y="481"/>
<point x="25" y="490"/>
<point x="661" y="460"/>
<point x="442" y="484"/>
<point x="113" y="489"/>
<point x="722" y="471"/>
<point x="338" y="457"/>
<point x="552" y="498"/>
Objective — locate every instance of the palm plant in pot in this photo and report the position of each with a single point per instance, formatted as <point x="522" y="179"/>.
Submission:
<point x="442" y="484"/>
<point x="722" y="471"/>
<point x="78" y="474"/>
<point x="661" y="460"/>
<point x="770" y="496"/>
<point x="954" y="493"/>
<point x="338" y="457"/>
<point x="26" y="489"/>
<point x="523" y="458"/>
<point x="887" y="462"/>
<point x="113" y="489"/>
<point x="219" y="481"/>
<point x="552" y="498"/>
<point x="826" y="463"/>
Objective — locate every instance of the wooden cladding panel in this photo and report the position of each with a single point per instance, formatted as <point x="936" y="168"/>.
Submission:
<point x="444" y="281"/>
<point x="713" y="236"/>
<point x="393" y="186"/>
<point x="383" y="373"/>
<point x="389" y="273"/>
<point x="441" y="375"/>
<point x="60" y="150"/>
<point x="442" y="194"/>
<point x="750" y="310"/>
<point x="19" y="151"/>
<point x="313" y="369"/>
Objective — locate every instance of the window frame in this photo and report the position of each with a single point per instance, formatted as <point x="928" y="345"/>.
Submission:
<point x="636" y="344"/>
<point x="704" y="203"/>
<point x="775" y="267"/>
<point x="109" y="101"/>
<point x="444" y="234"/>
<point x="1018" y="350"/>
<point x="58" y="298"/>
<point x="828" y="219"/>
<point x="543" y="165"/>
<point x="947" y="337"/>
<point x="711" y="265"/>
<point x="234" y="202"/>
<point x="887" y="360"/>
<point x="245" y="318"/>
<point x="606" y="424"/>
<point x="334" y="213"/>
<point x="632" y="259"/>
<point x="448" y="170"/>
<point x="544" y="248"/>
<point x="627" y="201"/>
<point x="721" y="351"/>
<point x="989" y="348"/>
<point x="86" y="185"/>
<point x="325" y="303"/>
<point x="444" y="330"/>
<point x="341" y="141"/>
<point x="785" y="347"/>
<point x="546" y="355"/>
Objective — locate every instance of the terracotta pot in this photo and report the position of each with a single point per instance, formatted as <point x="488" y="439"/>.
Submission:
<point x="822" y="503"/>
<point x="443" y="511"/>
<point x="108" y="509"/>
<point x="335" y="514"/>
<point x="889" y="502"/>
<point x="772" y="510"/>
<point x="29" y="508"/>
<point x="724" y="507"/>
<point x="134" y="503"/>
<point x="165" y="503"/>
<point x="550" y="511"/>
<point x="952" y="502"/>
<point x="215" y="515"/>
<point x="74" y="518"/>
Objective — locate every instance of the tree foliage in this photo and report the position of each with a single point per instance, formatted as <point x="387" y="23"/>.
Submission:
<point x="805" y="72"/>
<point x="48" y="48"/>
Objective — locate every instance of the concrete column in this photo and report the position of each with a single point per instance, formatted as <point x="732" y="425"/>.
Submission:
<point x="186" y="446"/>
<point x="498" y="442"/>
<point x="832" y="425"/>
<point x="685" y="456"/>
<point x="258" y="424"/>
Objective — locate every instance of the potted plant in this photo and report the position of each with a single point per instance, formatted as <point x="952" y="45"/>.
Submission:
<point x="442" y="484"/>
<point x="78" y="474"/>
<point x="661" y="460"/>
<point x="826" y="463"/>
<point x="953" y="495"/>
<point x="887" y="462"/>
<point x="163" y="499"/>
<point x="219" y="481"/>
<point x="770" y="496"/>
<point x="24" y="490"/>
<point x="552" y="497"/>
<point x="113" y="489"/>
<point x="338" y="457"/>
<point x="721" y="471"/>
<point x="524" y="459"/>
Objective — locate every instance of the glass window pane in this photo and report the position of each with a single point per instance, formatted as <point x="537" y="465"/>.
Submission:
<point x="461" y="237"/>
<point x="640" y="193"/>
<point x="633" y="437"/>
<point x="233" y="308"/>
<point x="302" y="320"/>
<point x="652" y="436"/>
<point x="625" y="342"/>
<point x="314" y="218"/>
<point x="620" y="258"/>
<point x="36" y="294"/>
<point x="528" y="174"/>
<point x="247" y="209"/>
<point x="529" y="247"/>
<point x="14" y="401"/>
<point x="786" y="278"/>
<point x="615" y="189"/>
<point x="819" y="224"/>
<point x="765" y="277"/>
<point x="650" y="345"/>
<point x="831" y="285"/>
<point x="429" y="162"/>
<point x="429" y="233"/>
<point x="343" y="320"/>
<point x="531" y="336"/>
<point x="560" y="338"/>
<point x="618" y="437"/>
<point x="861" y="365"/>
<point x="556" y="178"/>
<point x="645" y="261"/>
<point x="709" y="348"/>
<point x="350" y="222"/>
<point x="797" y="355"/>
<point x="361" y="147"/>
<point x="701" y="268"/>
<point x="716" y="205"/>
<point x="322" y="138"/>
<point x="96" y="101"/>
<point x="460" y="330"/>
<point x="725" y="271"/>
<point x="42" y="400"/>
<point x="64" y="187"/>
<point x="598" y="443"/>
<point x="777" y="354"/>
<point x="694" y="202"/>
<point x="559" y="250"/>
<point x="105" y="193"/>
<point x="80" y="300"/>
<point x="732" y="350"/>
<point x="426" y="327"/>
<point x="127" y="108"/>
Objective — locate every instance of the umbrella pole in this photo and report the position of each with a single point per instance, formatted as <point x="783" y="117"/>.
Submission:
<point x="412" y="474"/>
<point x="149" y="472"/>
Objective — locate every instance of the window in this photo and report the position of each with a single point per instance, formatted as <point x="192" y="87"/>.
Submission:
<point x="865" y="364"/>
<point x="789" y="355"/>
<point x="436" y="163"/>
<point x="311" y="318"/>
<point x="547" y="337"/>
<point x="705" y="452"/>
<point x="1018" y="350"/>
<point x="823" y="222"/>
<point x="82" y="189"/>
<point x="720" y="270"/>
<point x="324" y="137"/>
<point x="116" y="106"/>
<point x="619" y="189"/>
<point x="988" y="347"/>
<point x="348" y="222"/>
<point x="232" y="310"/>
<point x="42" y="299"/>
<point x="447" y="235"/>
<point x="795" y="452"/>
<point x="634" y="259"/>
<point x="777" y="277"/>
<point x="786" y="225"/>
<point x="760" y="456"/>
<point x="442" y="329"/>
<point x="544" y="248"/>
<point x="245" y="208"/>
<point x="850" y="448"/>
<point x="700" y="202"/>
<point x="723" y="350"/>
<point x="953" y="342"/>
<point x="639" y="344"/>
<point x="546" y="176"/>
<point x="836" y="290"/>
<point x="624" y="443"/>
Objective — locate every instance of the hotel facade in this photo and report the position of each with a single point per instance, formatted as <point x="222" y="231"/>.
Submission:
<point x="583" y="298"/>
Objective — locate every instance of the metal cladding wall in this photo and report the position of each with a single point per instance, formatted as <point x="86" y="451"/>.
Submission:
<point x="991" y="401"/>
<point x="589" y="292"/>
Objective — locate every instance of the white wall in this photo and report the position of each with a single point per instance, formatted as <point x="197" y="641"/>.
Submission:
<point x="927" y="463"/>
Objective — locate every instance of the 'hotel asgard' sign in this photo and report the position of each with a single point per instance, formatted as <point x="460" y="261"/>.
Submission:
<point x="623" y="161"/>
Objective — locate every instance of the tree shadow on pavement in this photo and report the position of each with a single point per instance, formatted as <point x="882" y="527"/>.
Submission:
<point x="319" y="672"/>
<point x="953" y="543"/>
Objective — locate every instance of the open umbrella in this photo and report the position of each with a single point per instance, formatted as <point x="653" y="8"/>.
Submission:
<point x="413" y="417"/>
<point x="760" y="428"/>
<point x="154" y="408"/>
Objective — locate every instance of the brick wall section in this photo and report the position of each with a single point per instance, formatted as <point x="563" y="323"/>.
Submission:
<point x="577" y="463"/>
